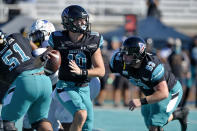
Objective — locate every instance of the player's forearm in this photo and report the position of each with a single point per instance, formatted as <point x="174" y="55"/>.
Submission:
<point x="96" y="72"/>
<point x="161" y="92"/>
<point x="156" y="97"/>
<point x="33" y="46"/>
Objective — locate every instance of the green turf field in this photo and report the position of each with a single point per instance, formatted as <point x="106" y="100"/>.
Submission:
<point x="125" y="120"/>
<point x="121" y="119"/>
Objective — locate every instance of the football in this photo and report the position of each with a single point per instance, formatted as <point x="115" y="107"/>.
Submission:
<point x="53" y="62"/>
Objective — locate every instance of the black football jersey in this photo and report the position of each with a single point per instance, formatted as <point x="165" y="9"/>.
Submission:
<point x="151" y="72"/>
<point x="81" y="52"/>
<point x="16" y="57"/>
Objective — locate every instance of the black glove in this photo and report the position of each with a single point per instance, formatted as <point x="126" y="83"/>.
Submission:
<point x="43" y="56"/>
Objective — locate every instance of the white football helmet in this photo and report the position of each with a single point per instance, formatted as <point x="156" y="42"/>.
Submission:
<point x="41" y="30"/>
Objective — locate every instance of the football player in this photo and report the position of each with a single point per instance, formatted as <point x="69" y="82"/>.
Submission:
<point x="163" y="92"/>
<point x="31" y="88"/>
<point x="59" y="116"/>
<point x="39" y="34"/>
<point x="81" y="59"/>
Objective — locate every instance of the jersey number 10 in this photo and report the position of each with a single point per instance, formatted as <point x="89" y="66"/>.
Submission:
<point x="79" y="58"/>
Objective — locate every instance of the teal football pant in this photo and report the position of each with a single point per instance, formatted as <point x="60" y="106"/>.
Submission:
<point x="75" y="98"/>
<point x="157" y="114"/>
<point x="29" y="93"/>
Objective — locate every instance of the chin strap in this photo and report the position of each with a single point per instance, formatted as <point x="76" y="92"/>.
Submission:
<point x="124" y="66"/>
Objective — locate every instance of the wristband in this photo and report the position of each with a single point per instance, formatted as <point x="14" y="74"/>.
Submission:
<point x="143" y="101"/>
<point x="84" y="72"/>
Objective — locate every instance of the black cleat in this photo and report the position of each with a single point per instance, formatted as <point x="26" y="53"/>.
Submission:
<point x="183" y="120"/>
<point x="181" y="114"/>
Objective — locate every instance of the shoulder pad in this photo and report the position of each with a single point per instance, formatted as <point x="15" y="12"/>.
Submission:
<point x="148" y="53"/>
<point x="15" y="35"/>
<point x="116" y="56"/>
<point x="158" y="73"/>
<point x="94" y="33"/>
<point x="58" y="33"/>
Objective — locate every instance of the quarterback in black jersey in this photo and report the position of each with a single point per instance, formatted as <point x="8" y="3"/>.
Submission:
<point x="81" y="59"/>
<point x="30" y="89"/>
<point x="163" y="92"/>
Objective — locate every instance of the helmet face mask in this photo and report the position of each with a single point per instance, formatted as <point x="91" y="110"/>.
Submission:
<point x="37" y="37"/>
<point x="133" y="50"/>
<point x="40" y="31"/>
<point x="74" y="13"/>
<point x="81" y="24"/>
<point x="131" y="59"/>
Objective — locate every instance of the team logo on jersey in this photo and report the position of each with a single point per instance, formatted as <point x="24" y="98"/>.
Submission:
<point x="142" y="47"/>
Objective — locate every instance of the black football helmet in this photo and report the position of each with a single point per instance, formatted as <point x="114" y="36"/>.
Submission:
<point x="72" y="13"/>
<point x="136" y="47"/>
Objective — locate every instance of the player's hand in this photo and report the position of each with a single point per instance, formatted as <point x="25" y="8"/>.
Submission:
<point x="74" y="67"/>
<point x="134" y="104"/>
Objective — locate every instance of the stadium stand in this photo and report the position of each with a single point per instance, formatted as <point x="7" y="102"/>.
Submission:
<point x="180" y="13"/>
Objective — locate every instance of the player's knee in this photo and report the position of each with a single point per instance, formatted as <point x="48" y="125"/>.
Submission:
<point x="80" y="116"/>
<point x="9" y="126"/>
<point x="42" y="125"/>
<point x="155" y="128"/>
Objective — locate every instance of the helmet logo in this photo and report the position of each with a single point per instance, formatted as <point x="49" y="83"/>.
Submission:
<point x="142" y="47"/>
<point x="66" y="11"/>
<point x="83" y="14"/>
<point x="45" y="21"/>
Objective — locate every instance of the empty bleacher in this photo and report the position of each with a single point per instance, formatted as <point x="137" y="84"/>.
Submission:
<point x="106" y="14"/>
